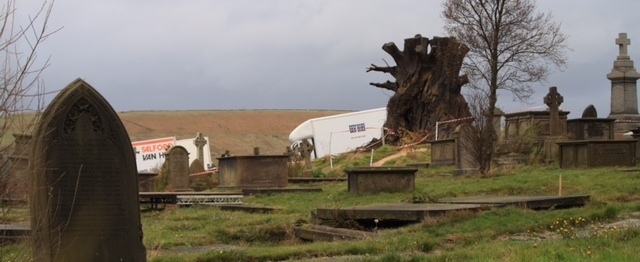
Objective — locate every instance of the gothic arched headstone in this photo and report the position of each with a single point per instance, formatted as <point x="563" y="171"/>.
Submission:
<point x="84" y="203"/>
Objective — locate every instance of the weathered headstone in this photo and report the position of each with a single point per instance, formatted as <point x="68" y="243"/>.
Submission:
<point x="381" y="179"/>
<point x="466" y="162"/>
<point x="178" y="169"/>
<point x="263" y="171"/>
<point x="200" y="142"/>
<point x="590" y="112"/>
<point x="84" y="202"/>
<point x="624" y="94"/>
<point x="16" y="181"/>
<point x="443" y="152"/>
<point x="305" y="151"/>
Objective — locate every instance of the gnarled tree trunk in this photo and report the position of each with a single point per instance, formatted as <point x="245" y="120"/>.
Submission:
<point x="427" y="86"/>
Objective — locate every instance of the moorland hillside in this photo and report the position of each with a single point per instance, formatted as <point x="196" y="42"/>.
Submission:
<point x="236" y="130"/>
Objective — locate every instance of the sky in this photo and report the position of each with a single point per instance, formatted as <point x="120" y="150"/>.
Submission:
<point x="291" y="54"/>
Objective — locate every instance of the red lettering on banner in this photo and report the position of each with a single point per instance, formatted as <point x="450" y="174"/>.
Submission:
<point x="156" y="147"/>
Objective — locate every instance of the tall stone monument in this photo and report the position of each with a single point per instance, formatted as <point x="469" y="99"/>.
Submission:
<point x="624" y="94"/>
<point x="84" y="195"/>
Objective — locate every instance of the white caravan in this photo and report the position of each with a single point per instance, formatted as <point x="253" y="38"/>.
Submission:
<point x="341" y="133"/>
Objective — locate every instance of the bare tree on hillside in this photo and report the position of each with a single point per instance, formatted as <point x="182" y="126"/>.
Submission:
<point x="511" y="46"/>
<point x="21" y="88"/>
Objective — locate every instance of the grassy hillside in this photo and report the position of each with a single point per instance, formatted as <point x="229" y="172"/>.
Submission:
<point x="236" y="130"/>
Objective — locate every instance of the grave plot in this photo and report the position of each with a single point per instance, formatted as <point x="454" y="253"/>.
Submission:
<point x="399" y="214"/>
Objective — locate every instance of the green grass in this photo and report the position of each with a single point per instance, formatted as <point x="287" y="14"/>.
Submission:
<point x="501" y="234"/>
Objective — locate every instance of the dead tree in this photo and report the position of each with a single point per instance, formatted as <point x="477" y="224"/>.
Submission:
<point x="427" y="83"/>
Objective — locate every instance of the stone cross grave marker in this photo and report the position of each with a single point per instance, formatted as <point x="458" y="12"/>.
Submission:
<point x="200" y="142"/>
<point x="553" y="99"/>
<point x="178" y="169"/>
<point x="84" y="195"/>
<point x="622" y="41"/>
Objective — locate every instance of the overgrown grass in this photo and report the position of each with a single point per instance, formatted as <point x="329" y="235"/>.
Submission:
<point x="500" y="234"/>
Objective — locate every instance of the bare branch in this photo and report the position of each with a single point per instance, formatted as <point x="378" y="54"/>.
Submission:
<point x="21" y="86"/>
<point x="386" y="85"/>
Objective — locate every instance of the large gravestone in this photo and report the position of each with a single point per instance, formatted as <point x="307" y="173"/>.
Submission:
<point x="443" y="152"/>
<point x="465" y="154"/>
<point x="263" y="171"/>
<point x="84" y="202"/>
<point x="624" y="93"/>
<point x="178" y="169"/>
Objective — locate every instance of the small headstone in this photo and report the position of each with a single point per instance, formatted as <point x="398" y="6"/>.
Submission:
<point x="84" y="203"/>
<point x="590" y="112"/>
<point x="178" y="169"/>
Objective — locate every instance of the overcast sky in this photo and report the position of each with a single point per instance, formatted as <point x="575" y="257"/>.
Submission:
<point x="210" y="54"/>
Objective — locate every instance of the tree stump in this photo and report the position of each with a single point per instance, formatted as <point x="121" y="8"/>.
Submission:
<point x="428" y="85"/>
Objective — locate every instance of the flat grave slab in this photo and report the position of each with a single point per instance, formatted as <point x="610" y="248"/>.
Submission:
<point x="316" y="179"/>
<point x="530" y="202"/>
<point x="246" y="208"/>
<point x="172" y="198"/>
<point x="14" y="232"/>
<point x="256" y="191"/>
<point x="188" y="200"/>
<point x="397" y="211"/>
